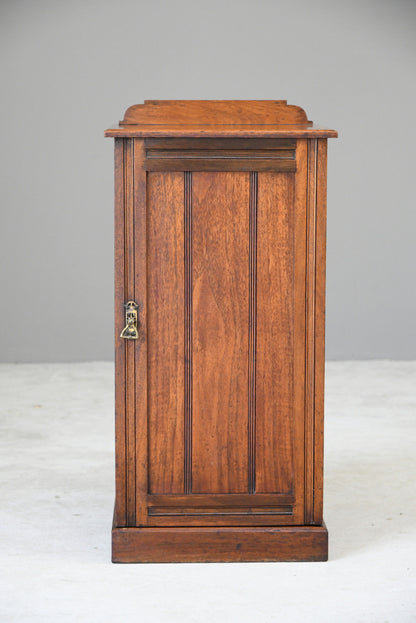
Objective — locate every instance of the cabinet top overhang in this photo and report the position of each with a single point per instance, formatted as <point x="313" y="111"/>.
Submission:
<point x="218" y="118"/>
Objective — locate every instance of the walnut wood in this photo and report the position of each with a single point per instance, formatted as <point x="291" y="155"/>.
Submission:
<point x="188" y="144"/>
<point x="240" y="517"/>
<point x="188" y="112"/>
<point x="222" y="131"/>
<point x="310" y="328"/>
<point x="120" y="511"/>
<point x="252" y="327"/>
<point x="232" y="153"/>
<point x="321" y="173"/>
<point x="315" y="340"/>
<point x="220" y="240"/>
<point x="299" y="327"/>
<point x="275" y="333"/>
<point x="165" y="278"/>
<point x="188" y="327"/>
<point x="223" y="164"/>
<point x="220" y="332"/>
<point x="216" y="119"/>
<point x="234" y="509"/>
<point x="130" y="351"/>
<point x="139" y="277"/>
<point x="224" y="510"/>
<point x="233" y="544"/>
<point x="223" y="499"/>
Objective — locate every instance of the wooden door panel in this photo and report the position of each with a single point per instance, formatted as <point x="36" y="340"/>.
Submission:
<point x="165" y="296"/>
<point x="226" y="340"/>
<point x="220" y="239"/>
<point x="275" y="333"/>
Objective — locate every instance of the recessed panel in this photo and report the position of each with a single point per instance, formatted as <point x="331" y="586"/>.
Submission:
<point x="220" y="312"/>
<point x="275" y="333"/>
<point x="165" y="334"/>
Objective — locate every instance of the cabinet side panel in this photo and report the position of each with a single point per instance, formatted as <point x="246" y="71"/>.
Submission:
<point x="275" y="333"/>
<point x="165" y="239"/>
<point x="220" y="274"/>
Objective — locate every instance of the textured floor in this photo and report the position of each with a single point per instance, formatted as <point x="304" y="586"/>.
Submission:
<point x="56" y="499"/>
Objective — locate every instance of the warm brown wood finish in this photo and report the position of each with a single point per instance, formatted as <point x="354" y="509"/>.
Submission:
<point x="232" y="118"/>
<point x="214" y="112"/>
<point x="275" y="333"/>
<point x="242" y="544"/>
<point x="319" y="337"/>
<point x="220" y="332"/>
<point x="220" y="241"/>
<point x="221" y="131"/>
<point x="166" y="370"/>
<point x="207" y="144"/>
<point x="120" y="514"/>
<point x="220" y="155"/>
<point x="138" y="278"/>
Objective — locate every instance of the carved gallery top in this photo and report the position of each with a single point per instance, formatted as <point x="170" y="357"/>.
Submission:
<point x="218" y="119"/>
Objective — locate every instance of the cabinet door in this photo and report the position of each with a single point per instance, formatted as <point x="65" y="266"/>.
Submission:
<point x="217" y="417"/>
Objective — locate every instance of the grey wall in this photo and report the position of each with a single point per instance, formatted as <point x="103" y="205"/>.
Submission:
<point x="69" y="70"/>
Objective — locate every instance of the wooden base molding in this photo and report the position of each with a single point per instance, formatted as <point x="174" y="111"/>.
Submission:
<point x="282" y="544"/>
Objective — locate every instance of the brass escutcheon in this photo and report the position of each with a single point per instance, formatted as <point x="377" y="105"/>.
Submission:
<point x="130" y="331"/>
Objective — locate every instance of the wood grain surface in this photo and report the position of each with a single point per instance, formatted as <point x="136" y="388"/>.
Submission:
<point x="318" y="456"/>
<point x="120" y="510"/>
<point x="220" y="234"/>
<point x="201" y="130"/>
<point x="245" y="544"/>
<point x="165" y="284"/>
<point x="188" y="112"/>
<point x="137" y="175"/>
<point x="275" y="333"/>
<point x="220" y="332"/>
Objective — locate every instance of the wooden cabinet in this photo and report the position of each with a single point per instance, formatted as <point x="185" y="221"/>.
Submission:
<point x="219" y="332"/>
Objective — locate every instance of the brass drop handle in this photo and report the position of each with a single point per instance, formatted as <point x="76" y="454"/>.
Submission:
<point x="130" y="331"/>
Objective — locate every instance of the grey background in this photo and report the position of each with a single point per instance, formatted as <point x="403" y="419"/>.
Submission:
<point x="70" y="69"/>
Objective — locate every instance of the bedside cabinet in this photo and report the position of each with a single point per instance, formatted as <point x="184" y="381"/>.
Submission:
<point x="219" y="332"/>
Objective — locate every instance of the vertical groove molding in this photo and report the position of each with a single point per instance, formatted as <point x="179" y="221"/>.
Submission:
<point x="138" y="175"/>
<point x="320" y="238"/>
<point x="129" y="350"/>
<point x="252" y="332"/>
<point x="119" y="348"/>
<point x="310" y="331"/>
<point x="188" y="332"/>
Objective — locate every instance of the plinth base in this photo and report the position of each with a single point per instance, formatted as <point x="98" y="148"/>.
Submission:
<point x="216" y="544"/>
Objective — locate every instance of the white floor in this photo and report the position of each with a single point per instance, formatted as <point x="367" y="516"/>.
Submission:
<point x="56" y="502"/>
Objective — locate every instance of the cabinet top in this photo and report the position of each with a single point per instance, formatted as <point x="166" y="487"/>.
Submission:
<point x="218" y="118"/>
